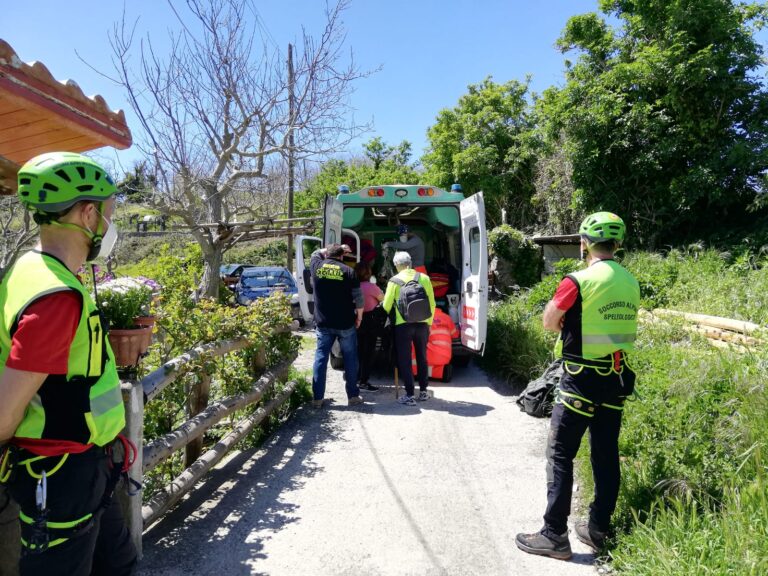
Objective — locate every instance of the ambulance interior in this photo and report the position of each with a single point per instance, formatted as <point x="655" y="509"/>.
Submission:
<point x="367" y="228"/>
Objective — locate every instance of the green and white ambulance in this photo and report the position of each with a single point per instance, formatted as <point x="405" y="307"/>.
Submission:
<point x="452" y="228"/>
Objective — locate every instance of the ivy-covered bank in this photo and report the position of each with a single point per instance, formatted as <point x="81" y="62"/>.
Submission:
<point x="694" y="496"/>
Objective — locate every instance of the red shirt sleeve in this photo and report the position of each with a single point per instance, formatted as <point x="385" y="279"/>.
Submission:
<point x="566" y="294"/>
<point x="45" y="333"/>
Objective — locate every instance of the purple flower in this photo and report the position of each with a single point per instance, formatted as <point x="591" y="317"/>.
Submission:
<point x="149" y="282"/>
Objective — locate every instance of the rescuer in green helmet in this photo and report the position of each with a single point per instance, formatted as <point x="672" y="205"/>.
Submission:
<point x="595" y="312"/>
<point x="61" y="402"/>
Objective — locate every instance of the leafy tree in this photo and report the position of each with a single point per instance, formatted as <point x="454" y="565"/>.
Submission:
<point x="664" y="117"/>
<point x="383" y="164"/>
<point x="553" y="181"/>
<point x="487" y="143"/>
<point x="138" y="184"/>
<point x="378" y="152"/>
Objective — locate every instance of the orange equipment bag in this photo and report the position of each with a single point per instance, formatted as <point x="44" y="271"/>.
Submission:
<point x="439" y="346"/>
<point x="440" y="283"/>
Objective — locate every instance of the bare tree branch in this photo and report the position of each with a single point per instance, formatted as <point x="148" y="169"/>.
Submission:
<point x="16" y="231"/>
<point x="214" y="112"/>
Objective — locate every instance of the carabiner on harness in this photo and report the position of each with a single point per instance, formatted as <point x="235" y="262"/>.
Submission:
<point x="40" y="538"/>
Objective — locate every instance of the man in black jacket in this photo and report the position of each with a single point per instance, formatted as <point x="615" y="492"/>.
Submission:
<point x="338" y="313"/>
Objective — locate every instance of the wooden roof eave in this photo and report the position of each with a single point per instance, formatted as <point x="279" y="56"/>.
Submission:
<point x="40" y="114"/>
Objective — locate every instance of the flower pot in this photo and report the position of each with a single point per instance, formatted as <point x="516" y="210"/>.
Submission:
<point x="144" y="321"/>
<point x="129" y="346"/>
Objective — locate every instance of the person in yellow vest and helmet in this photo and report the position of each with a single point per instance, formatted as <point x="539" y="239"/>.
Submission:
<point x="61" y="407"/>
<point x="595" y="311"/>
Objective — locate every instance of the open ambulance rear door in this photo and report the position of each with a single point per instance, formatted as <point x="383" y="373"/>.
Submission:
<point x="473" y="310"/>
<point x="303" y="248"/>
<point x="333" y="214"/>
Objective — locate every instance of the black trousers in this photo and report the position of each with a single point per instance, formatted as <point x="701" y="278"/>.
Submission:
<point x="567" y="428"/>
<point x="366" y="346"/>
<point x="74" y="490"/>
<point x="417" y="334"/>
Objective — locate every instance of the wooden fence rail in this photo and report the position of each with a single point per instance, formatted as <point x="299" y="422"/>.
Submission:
<point x="189" y="434"/>
<point x="167" y="497"/>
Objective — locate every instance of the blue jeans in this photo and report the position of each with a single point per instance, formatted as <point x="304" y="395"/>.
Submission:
<point x="348" y="341"/>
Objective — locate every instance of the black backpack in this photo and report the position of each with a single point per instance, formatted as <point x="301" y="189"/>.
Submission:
<point x="413" y="303"/>
<point x="539" y="395"/>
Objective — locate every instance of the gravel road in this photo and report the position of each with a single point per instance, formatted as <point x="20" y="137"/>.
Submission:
<point x="380" y="489"/>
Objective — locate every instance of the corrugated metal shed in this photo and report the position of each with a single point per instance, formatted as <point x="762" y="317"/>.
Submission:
<point x="555" y="248"/>
<point x="40" y="114"/>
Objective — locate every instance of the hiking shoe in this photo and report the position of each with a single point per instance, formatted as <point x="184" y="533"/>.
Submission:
<point x="407" y="400"/>
<point x="592" y="537"/>
<point x="318" y="403"/>
<point x="538" y="543"/>
<point x="368" y="386"/>
<point x="355" y="400"/>
<point x="423" y="395"/>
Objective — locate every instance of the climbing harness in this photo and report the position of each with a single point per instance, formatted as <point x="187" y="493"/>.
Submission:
<point x="605" y="366"/>
<point x="44" y="534"/>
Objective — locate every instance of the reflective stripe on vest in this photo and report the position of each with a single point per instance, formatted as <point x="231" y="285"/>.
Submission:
<point x="91" y="372"/>
<point x="610" y="297"/>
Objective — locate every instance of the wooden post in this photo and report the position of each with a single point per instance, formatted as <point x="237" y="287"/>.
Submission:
<point x="198" y="402"/>
<point x="133" y="399"/>
<point x="259" y="366"/>
<point x="10" y="535"/>
<point x="291" y="150"/>
<point x="259" y="363"/>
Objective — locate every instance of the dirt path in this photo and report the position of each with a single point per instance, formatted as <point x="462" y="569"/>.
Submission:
<point x="440" y="488"/>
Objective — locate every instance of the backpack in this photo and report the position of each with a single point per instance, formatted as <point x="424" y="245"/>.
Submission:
<point x="413" y="303"/>
<point x="538" y="397"/>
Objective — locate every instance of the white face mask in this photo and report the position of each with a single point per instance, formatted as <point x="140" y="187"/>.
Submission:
<point x="109" y="240"/>
<point x="103" y="248"/>
<point x="403" y="237"/>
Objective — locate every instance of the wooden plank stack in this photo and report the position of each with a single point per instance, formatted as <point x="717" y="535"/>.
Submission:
<point x="720" y="332"/>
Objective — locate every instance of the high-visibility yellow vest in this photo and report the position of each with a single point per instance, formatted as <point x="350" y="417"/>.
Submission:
<point x="85" y="404"/>
<point x="604" y="318"/>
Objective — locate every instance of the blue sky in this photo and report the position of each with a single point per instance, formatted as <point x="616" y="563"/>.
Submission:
<point x="428" y="50"/>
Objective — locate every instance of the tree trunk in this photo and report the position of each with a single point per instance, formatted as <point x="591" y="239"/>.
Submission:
<point x="209" y="285"/>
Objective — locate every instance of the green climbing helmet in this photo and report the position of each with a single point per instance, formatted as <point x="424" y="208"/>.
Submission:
<point x="603" y="226"/>
<point x="54" y="181"/>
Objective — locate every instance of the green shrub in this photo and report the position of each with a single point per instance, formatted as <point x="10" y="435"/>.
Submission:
<point x="517" y="347"/>
<point x="184" y="323"/>
<point x="263" y="253"/>
<point x="656" y="274"/>
<point x="703" y="281"/>
<point x="687" y="538"/>
<point x="518" y="252"/>
<point x="542" y="292"/>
